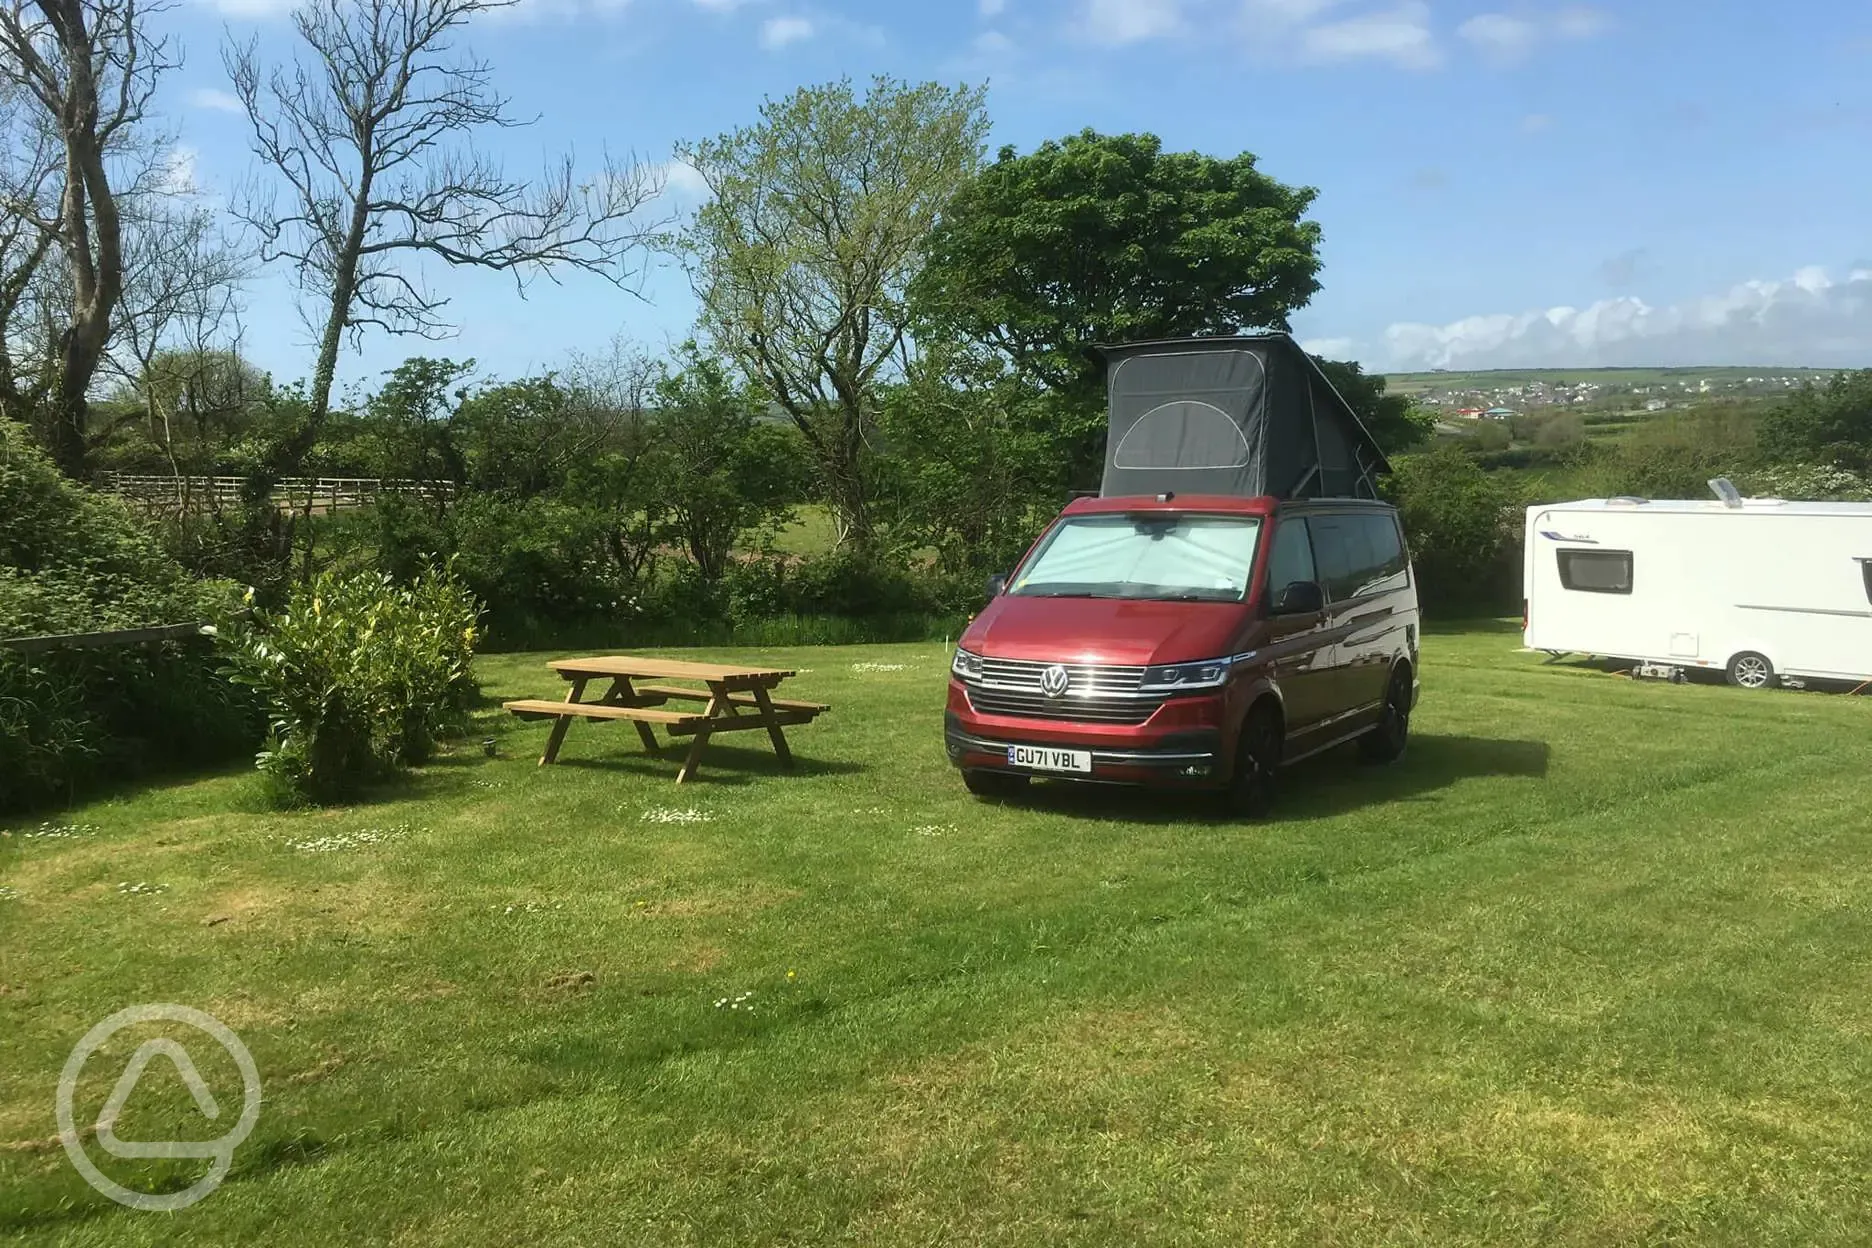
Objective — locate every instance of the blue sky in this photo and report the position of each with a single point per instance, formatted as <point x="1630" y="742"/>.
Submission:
<point x="1670" y="182"/>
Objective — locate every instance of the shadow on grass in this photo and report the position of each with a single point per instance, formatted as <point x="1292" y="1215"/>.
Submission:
<point x="721" y="764"/>
<point x="1332" y="783"/>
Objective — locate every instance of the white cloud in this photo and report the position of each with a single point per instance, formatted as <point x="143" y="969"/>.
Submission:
<point x="778" y="32"/>
<point x="214" y="98"/>
<point x="1330" y="348"/>
<point x="1284" y="12"/>
<point x="720" y="6"/>
<point x="252" y="8"/>
<point x="991" y="8"/>
<point x="1508" y="39"/>
<point x="991" y="43"/>
<point x="683" y="182"/>
<point x="1118" y="22"/>
<point x="178" y="171"/>
<point x="1806" y="319"/>
<point x="1400" y="35"/>
<point x="1581" y="23"/>
<point x="524" y="11"/>
<point x="1499" y="37"/>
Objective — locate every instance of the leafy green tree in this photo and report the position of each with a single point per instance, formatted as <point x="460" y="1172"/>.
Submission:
<point x="817" y="220"/>
<point x="1561" y="430"/>
<point x="1108" y="238"/>
<point x="1394" y="419"/>
<point x="1489" y="435"/>
<point x="974" y="464"/>
<point x="1460" y="524"/>
<point x="726" y="470"/>
<point x="1829" y="424"/>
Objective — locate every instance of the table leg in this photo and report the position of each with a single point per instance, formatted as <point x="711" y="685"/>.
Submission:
<point x="557" y="736"/>
<point x="773" y="729"/>
<point x="718" y="706"/>
<point x="622" y="692"/>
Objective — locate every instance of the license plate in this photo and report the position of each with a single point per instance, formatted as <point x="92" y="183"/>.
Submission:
<point x="1045" y="758"/>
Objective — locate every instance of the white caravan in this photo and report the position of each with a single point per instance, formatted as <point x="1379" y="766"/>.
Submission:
<point x="1757" y="589"/>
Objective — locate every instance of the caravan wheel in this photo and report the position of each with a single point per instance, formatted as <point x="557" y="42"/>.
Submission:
<point x="1749" y="670"/>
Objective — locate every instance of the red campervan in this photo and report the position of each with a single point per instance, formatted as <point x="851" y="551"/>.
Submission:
<point x="1202" y="639"/>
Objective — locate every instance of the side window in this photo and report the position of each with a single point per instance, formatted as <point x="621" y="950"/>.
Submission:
<point x="1596" y="571"/>
<point x="1387" y="573"/>
<point x="1865" y="570"/>
<point x="1338" y="548"/>
<point x="1359" y="553"/>
<point x="1290" y="558"/>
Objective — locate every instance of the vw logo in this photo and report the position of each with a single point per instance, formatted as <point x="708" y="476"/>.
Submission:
<point x="1053" y="681"/>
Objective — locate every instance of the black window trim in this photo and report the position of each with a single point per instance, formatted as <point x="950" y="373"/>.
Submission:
<point x="1563" y="562"/>
<point x="1865" y="570"/>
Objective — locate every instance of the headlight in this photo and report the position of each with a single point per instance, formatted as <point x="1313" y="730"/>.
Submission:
<point x="966" y="665"/>
<point x="1180" y="677"/>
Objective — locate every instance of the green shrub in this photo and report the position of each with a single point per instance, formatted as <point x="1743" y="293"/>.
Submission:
<point x="1830" y="424"/>
<point x="359" y="675"/>
<point x="1462" y="527"/>
<point x="76" y="562"/>
<point x="848" y="582"/>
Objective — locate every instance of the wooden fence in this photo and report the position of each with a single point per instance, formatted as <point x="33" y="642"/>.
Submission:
<point x="318" y="493"/>
<point x="115" y="637"/>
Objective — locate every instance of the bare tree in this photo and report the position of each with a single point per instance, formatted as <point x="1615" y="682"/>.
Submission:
<point x="174" y="345"/>
<point x="91" y="68"/>
<point x="30" y="163"/>
<point x="371" y="132"/>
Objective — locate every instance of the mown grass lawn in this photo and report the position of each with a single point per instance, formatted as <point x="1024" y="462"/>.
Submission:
<point x="1592" y="966"/>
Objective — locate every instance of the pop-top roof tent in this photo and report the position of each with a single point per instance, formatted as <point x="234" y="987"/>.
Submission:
<point x="1241" y="416"/>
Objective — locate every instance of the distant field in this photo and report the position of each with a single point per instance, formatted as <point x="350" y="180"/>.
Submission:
<point x="1491" y="379"/>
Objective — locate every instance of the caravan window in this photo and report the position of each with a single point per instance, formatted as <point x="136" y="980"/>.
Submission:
<point x="1865" y="570"/>
<point x="1596" y="571"/>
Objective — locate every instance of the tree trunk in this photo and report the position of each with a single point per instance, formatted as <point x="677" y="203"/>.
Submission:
<point x="93" y="241"/>
<point x="65" y="433"/>
<point x="289" y="454"/>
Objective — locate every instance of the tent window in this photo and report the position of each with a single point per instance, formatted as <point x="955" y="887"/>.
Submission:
<point x="1596" y="571"/>
<point x="1185" y="433"/>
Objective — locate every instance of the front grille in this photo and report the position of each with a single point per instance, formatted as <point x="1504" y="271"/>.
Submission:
<point x="1094" y="693"/>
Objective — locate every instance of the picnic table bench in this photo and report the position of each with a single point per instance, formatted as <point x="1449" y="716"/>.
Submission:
<point x="734" y="699"/>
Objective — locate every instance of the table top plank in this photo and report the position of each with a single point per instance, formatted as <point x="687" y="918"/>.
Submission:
<point x="673" y="669"/>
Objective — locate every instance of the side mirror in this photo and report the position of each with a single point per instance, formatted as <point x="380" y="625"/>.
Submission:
<point x="1300" y="598"/>
<point x="997" y="585"/>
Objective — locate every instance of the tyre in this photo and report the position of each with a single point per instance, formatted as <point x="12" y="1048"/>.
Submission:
<point x="1257" y="763"/>
<point x="1385" y="743"/>
<point x="997" y="784"/>
<point x="1750" y="670"/>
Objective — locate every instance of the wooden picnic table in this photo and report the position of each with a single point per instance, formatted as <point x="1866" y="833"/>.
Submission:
<point x="738" y="698"/>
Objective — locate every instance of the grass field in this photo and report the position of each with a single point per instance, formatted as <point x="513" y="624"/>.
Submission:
<point x="1592" y="966"/>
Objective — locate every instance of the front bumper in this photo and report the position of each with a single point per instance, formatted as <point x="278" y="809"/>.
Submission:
<point x="1183" y="758"/>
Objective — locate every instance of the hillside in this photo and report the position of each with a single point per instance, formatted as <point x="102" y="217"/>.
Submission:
<point x="1603" y="387"/>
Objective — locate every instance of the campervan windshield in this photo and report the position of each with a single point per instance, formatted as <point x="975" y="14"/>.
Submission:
<point x="1204" y="558"/>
